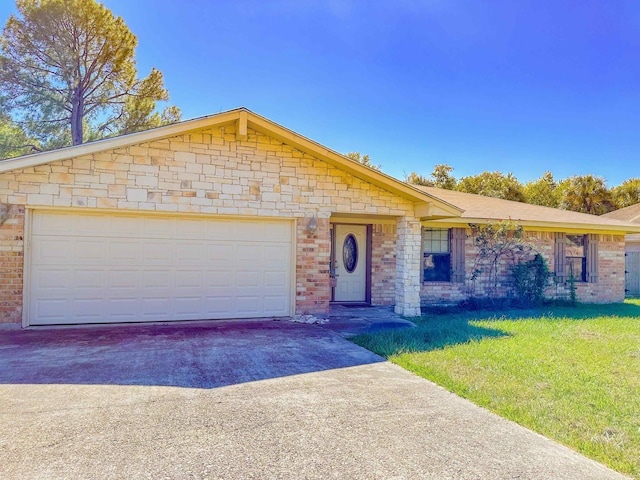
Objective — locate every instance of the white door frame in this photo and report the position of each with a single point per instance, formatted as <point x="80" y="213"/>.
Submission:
<point x="367" y="264"/>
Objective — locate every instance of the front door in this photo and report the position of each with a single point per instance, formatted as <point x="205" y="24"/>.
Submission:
<point x="350" y="263"/>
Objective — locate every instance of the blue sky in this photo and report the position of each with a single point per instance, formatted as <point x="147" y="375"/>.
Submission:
<point x="515" y="86"/>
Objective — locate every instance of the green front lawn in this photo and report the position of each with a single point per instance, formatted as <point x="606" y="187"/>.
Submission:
<point x="572" y="374"/>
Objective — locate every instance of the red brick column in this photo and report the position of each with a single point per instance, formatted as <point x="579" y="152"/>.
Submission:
<point x="313" y="291"/>
<point x="11" y="264"/>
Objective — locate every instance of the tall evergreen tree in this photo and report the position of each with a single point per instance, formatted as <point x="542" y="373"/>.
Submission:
<point x="67" y="64"/>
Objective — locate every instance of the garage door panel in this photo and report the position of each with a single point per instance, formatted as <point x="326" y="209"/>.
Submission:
<point x="249" y="305"/>
<point x="248" y="278"/>
<point x="191" y="253"/>
<point x="122" y="280"/>
<point x="124" y="226"/>
<point x="219" y="278"/>
<point x="50" y="311"/>
<point x="276" y="253"/>
<point x="124" y="252"/>
<point x="157" y="307"/>
<point x="88" y="268"/>
<point x="54" y="223"/>
<point x="157" y="279"/>
<point x="189" y="279"/>
<point x="88" y="308"/>
<point x="90" y="279"/>
<point x="90" y="251"/>
<point x="277" y="232"/>
<point x="275" y="304"/>
<point x="159" y="227"/>
<point x="57" y="250"/>
<point x="52" y="278"/>
<point x="120" y="309"/>
<point x="219" y="306"/>
<point x="220" y="230"/>
<point x="276" y="279"/>
<point x="157" y="252"/>
<point x="192" y="228"/>
<point x="221" y="253"/>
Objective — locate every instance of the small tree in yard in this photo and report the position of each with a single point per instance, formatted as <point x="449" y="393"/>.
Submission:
<point x="505" y="262"/>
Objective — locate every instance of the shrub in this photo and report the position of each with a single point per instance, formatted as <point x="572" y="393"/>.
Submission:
<point x="530" y="279"/>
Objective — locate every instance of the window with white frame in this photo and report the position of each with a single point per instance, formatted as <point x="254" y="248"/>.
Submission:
<point x="436" y="255"/>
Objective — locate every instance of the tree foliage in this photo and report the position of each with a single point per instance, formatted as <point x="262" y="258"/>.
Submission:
<point x="440" y="177"/>
<point x="493" y="184"/>
<point x="626" y="194"/>
<point x="580" y="193"/>
<point x="543" y="191"/>
<point x="14" y="142"/>
<point x="363" y="159"/>
<point x="68" y="66"/>
<point x="586" y="194"/>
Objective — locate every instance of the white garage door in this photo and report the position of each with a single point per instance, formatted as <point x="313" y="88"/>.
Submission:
<point x="101" y="268"/>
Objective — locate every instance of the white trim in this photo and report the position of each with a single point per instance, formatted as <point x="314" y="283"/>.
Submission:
<point x="26" y="265"/>
<point x="294" y="260"/>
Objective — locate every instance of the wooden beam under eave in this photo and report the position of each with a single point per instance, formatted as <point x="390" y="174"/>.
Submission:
<point x="241" y="132"/>
<point x="427" y="210"/>
<point x="422" y="210"/>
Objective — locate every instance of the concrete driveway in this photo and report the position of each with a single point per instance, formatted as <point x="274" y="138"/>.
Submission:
<point x="236" y="400"/>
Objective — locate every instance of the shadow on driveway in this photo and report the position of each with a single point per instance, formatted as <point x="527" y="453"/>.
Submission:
<point x="195" y="355"/>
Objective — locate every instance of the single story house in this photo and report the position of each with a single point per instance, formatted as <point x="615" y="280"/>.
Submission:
<point x="235" y="216"/>
<point x="632" y="247"/>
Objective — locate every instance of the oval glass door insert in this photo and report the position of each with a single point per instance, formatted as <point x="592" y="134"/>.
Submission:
<point x="350" y="253"/>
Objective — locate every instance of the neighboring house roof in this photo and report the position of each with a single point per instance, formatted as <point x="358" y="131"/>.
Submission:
<point x="481" y="209"/>
<point x="244" y="119"/>
<point x="627" y="214"/>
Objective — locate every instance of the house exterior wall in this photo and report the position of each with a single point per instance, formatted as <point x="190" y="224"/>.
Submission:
<point x="209" y="172"/>
<point x="11" y="265"/>
<point x="632" y="247"/>
<point x="383" y="264"/>
<point x="609" y="288"/>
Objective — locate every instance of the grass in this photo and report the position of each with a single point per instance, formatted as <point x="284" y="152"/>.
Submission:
<point x="571" y="374"/>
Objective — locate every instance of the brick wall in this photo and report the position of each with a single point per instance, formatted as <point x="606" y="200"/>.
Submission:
<point x="383" y="264"/>
<point x="313" y="252"/>
<point x="11" y="265"/>
<point x="208" y="172"/>
<point x="609" y="288"/>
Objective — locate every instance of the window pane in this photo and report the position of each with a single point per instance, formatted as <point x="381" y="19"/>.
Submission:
<point x="575" y="246"/>
<point x="575" y="254"/>
<point x="436" y="267"/>
<point x="435" y="240"/>
<point x="436" y="261"/>
<point x="577" y="266"/>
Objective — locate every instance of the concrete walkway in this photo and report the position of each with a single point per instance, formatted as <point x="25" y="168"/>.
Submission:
<point x="238" y="400"/>
<point x="350" y="320"/>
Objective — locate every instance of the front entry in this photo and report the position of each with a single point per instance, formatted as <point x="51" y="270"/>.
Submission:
<point x="350" y="263"/>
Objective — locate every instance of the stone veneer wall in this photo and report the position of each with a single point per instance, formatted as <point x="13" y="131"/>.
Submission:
<point x="383" y="264"/>
<point x="408" y="256"/>
<point x="608" y="289"/>
<point x="209" y="172"/>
